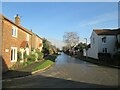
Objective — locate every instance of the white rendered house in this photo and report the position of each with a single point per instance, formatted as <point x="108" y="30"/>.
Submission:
<point x="103" y="41"/>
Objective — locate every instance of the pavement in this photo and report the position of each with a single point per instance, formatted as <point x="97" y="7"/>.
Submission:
<point x="68" y="72"/>
<point x="99" y="62"/>
<point x="21" y="72"/>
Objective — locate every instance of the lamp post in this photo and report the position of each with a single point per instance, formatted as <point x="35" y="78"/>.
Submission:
<point x="86" y="46"/>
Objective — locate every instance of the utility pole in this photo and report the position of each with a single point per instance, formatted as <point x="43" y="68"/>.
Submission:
<point x="86" y="46"/>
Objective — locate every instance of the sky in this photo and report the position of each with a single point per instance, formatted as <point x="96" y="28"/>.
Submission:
<point x="52" y="19"/>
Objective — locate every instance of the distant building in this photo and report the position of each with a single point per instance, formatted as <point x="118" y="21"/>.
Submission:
<point x="103" y="41"/>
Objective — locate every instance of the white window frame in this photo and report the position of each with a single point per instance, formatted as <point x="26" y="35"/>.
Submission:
<point x="14" y="54"/>
<point x="14" y="31"/>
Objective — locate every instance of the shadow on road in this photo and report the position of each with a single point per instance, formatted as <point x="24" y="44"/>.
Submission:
<point x="39" y="81"/>
<point x="14" y="74"/>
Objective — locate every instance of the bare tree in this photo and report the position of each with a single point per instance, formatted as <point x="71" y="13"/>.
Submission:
<point x="71" y="38"/>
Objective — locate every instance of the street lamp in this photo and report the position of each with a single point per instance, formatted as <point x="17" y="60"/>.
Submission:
<point x="86" y="46"/>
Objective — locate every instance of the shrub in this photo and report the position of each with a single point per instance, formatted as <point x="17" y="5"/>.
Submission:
<point x="104" y="56"/>
<point x="45" y="51"/>
<point x="37" y="50"/>
<point x="27" y="63"/>
<point x="33" y="49"/>
<point x="32" y="57"/>
<point x="40" y="55"/>
<point x="51" y="51"/>
<point x="19" y="56"/>
<point x="25" y="55"/>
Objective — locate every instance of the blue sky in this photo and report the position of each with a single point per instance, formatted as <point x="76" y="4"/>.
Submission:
<point x="51" y="20"/>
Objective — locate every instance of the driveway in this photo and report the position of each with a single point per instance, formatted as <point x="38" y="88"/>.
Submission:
<point x="68" y="72"/>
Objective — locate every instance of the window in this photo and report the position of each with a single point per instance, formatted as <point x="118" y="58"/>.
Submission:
<point x="104" y="40"/>
<point x="14" y="31"/>
<point x="104" y="50"/>
<point x="13" y="54"/>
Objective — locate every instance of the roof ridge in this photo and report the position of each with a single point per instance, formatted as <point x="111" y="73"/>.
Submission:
<point x="107" y="31"/>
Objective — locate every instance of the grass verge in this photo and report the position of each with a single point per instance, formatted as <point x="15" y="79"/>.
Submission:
<point x="43" y="65"/>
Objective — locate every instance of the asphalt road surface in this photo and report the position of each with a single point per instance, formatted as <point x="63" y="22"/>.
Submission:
<point x="68" y="72"/>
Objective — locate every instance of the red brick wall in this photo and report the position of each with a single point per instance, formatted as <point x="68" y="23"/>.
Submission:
<point x="10" y="41"/>
<point x="35" y="41"/>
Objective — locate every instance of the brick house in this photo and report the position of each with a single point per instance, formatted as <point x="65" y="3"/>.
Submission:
<point x="15" y="38"/>
<point x="36" y="42"/>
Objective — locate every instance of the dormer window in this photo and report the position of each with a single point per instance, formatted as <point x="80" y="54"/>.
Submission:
<point x="104" y="40"/>
<point x="14" y="31"/>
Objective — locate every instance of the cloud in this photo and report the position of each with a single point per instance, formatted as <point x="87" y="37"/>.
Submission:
<point x="100" y="19"/>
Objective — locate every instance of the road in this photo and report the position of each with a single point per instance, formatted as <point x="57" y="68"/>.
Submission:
<point x="68" y="72"/>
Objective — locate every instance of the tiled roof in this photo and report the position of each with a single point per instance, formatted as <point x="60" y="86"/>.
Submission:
<point x="24" y="44"/>
<point x="107" y="31"/>
<point x="21" y="27"/>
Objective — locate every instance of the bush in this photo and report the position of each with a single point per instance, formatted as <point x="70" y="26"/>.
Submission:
<point x="117" y="56"/>
<point x="40" y="55"/>
<point x="32" y="57"/>
<point x="27" y="63"/>
<point x="51" y="51"/>
<point x="19" y="56"/>
<point x="104" y="56"/>
<point x="25" y="55"/>
<point x="45" y="51"/>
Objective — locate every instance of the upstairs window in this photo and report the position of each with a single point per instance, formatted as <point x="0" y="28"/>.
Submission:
<point x="104" y="40"/>
<point x="14" y="31"/>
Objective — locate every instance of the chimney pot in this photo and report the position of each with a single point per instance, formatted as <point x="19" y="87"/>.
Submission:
<point x="17" y="19"/>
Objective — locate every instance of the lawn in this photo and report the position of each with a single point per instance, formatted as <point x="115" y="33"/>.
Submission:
<point x="44" y="65"/>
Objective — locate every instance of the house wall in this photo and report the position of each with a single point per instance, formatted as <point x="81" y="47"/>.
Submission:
<point x="93" y="50"/>
<point x="0" y="45"/>
<point x="118" y="38"/>
<point x="33" y="40"/>
<point x="10" y="41"/>
<point x="110" y="44"/>
<point x="36" y="41"/>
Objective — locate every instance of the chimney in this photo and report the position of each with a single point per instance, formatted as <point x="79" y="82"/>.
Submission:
<point x="17" y="19"/>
